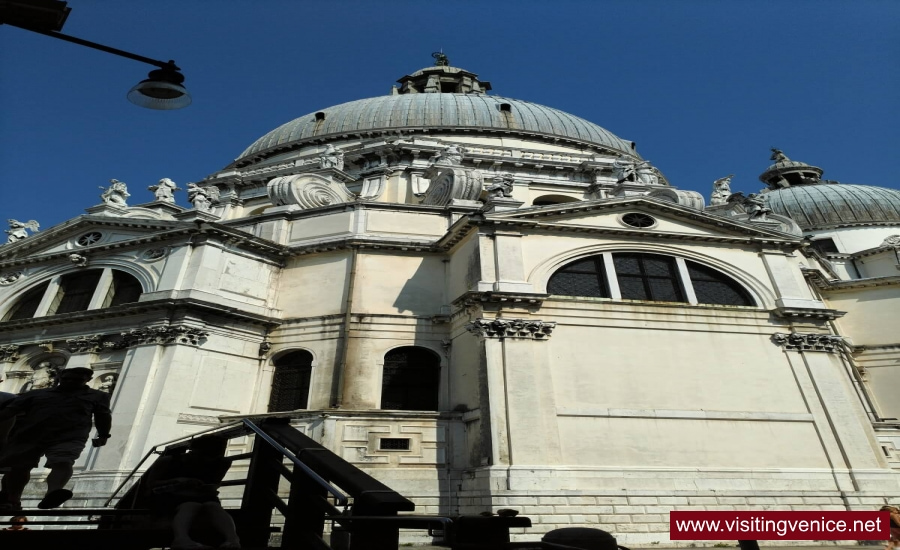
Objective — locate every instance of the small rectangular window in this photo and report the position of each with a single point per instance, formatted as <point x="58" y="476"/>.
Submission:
<point x="393" y="444"/>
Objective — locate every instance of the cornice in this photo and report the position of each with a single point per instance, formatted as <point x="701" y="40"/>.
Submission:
<point x="815" y="276"/>
<point x="168" y="306"/>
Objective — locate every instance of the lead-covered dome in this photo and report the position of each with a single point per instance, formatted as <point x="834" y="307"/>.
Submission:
<point x="838" y="205"/>
<point x="797" y="190"/>
<point x="441" y="97"/>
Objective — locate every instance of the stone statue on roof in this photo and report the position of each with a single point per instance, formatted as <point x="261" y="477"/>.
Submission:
<point x="450" y="156"/>
<point x="332" y="158"/>
<point x="502" y="186"/>
<point x="164" y="190"/>
<point x="440" y="59"/>
<point x="201" y="198"/>
<point x="778" y="155"/>
<point x="721" y="190"/>
<point x="17" y="230"/>
<point x="116" y="194"/>
<point x="757" y="206"/>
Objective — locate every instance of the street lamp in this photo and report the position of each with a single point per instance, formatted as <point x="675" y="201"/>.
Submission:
<point x="162" y="89"/>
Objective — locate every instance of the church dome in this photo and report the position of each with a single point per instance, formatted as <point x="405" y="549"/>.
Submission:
<point x="435" y="98"/>
<point x="797" y="190"/>
<point x="837" y="205"/>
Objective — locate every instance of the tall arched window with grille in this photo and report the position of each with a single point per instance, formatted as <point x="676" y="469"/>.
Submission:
<point x="411" y="379"/>
<point x="290" y="383"/>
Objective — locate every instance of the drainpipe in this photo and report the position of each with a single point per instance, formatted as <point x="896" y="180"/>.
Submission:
<point x="341" y="363"/>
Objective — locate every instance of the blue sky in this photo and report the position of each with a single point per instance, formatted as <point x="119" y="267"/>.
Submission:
<point x="703" y="87"/>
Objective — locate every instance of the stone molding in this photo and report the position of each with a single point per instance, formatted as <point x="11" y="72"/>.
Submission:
<point x="95" y="343"/>
<point x="807" y="341"/>
<point x="511" y="328"/>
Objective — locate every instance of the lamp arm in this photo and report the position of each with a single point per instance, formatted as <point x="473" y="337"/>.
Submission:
<point x="101" y="47"/>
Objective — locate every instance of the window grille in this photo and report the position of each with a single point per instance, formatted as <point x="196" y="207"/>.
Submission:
<point x="124" y="289"/>
<point x="636" y="219"/>
<point x="411" y="380"/>
<point x="393" y="444"/>
<point x="712" y="287"/>
<point x="648" y="277"/>
<point x="76" y="291"/>
<point x="290" y="383"/>
<point x="581" y="278"/>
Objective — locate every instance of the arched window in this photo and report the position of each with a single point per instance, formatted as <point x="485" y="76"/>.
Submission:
<point x="77" y="291"/>
<point x="28" y="304"/>
<point x="290" y="384"/>
<point x="712" y="287"/>
<point x="650" y="277"/>
<point x="582" y="278"/>
<point x="411" y="380"/>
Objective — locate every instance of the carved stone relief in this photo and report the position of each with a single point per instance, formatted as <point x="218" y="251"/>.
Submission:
<point x="10" y="277"/>
<point x="801" y="341"/>
<point x="511" y="328"/>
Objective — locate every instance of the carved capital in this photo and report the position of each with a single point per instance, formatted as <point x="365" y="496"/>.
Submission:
<point x="166" y="334"/>
<point x="9" y="353"/>
<point x="806" y="341"/>
<point x="85" y="344"/>
<point x="511" y="328"/>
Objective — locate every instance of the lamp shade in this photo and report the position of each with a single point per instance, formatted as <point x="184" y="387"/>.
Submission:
<point x="161" y="91"/>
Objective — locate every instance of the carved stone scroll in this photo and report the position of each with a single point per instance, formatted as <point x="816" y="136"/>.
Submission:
<point x="511" y="328"/>
<point x="307" y="191"/>
<point x="453" y="183"/>
<point x="690" y="199"/>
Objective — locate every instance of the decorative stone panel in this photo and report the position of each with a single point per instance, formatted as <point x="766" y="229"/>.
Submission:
<point x="511" y="328"/>
<point x="9" y="353"/>
<point x="801" y="341"/>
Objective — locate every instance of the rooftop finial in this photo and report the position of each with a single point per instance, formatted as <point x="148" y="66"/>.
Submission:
<point x="440" y="59"/>
<point x="778" y="155"/>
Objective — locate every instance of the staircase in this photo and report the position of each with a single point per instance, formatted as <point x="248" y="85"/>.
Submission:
<point x="323" y="487"/>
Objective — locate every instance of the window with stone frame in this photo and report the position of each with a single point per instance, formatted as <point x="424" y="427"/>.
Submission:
<point x="290" y="383"/>
<point x="411" y="379"/>
<point x="77" y="291"/>
<point x="649" y="277"/>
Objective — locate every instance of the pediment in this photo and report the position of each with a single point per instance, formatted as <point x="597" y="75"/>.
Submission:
<point x="86" y="233"/>
<point x="670" y="219"/>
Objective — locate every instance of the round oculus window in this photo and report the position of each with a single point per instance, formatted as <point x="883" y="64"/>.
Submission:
<point x="89" y="238"/>
<point x="636" y="219"/>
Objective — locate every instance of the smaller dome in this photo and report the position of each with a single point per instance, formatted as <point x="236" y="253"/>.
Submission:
<point x="836" y="205"/>
<point x="786" y="172"/>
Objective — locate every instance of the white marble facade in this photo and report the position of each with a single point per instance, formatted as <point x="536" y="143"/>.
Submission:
<point x="604" y="411"/>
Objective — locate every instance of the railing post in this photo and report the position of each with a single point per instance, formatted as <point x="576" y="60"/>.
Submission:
<point x="256" y="506"/>
<point x="304" y="519"/>
<point x="370" y="535"/>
